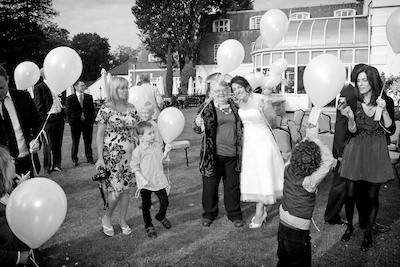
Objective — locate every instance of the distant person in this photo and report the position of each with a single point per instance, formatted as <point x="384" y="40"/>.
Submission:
<point x="261" y="177"/>
<point x="147" y="165"/>
<point x="152" y="94"/>
<point x="80" y="114"/>
<point x="50" y="109"/>
<point x="366" y="162"/>
<point x="146" y="114"/>
<point x="13" y="252"/>
<point x="394" y="93"/>
<point x="116" y="139"/>
<point x="220" y="154"/>
<point x="310" y="162"/>
<point x="20" y="124"/>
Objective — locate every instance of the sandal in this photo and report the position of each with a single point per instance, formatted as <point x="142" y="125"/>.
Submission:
<point x="126" y="230"/>
<point x="347" y="234"/>
<point x="166" y="223"/>
<point x="108" y="231"/>
<point x="366" y="243"/>
<point x="151" y="232"/>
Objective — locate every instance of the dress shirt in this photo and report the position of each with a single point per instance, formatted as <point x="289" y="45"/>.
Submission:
<point x="19" y="135"/>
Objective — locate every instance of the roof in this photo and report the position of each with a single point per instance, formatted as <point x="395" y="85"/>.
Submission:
<point x="123" y="68"/>
<point x="321" y="32"/>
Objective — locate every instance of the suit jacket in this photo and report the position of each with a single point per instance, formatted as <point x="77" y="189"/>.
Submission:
<point x="43" y="99"/>
<point x="342" y="134"/>
<point x="27" y="114"/>
<point x="73" y="109"/>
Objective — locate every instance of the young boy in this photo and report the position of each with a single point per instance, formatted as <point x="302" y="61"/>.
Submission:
<point x="146" y="114"/>
<point x="147" y="165"/>
<point x="310" y="162"/>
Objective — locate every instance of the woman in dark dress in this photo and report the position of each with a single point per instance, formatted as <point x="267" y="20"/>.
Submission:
<point x="366" y="163"/>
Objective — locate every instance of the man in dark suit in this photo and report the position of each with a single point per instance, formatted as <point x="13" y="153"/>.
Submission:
<point x="80" y="114"/>
<point x="49" y="107"/>
<point x="19" y="126"/>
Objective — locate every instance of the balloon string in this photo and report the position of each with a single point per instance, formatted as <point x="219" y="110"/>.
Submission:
<point x="221" y="77"/>
<point x="384" y="84"/>
<point x="32" y="258"/>
<point x="41" y="133"/>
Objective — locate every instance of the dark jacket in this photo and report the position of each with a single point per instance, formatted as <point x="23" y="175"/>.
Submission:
<point x="27" y="114"/>
<point x="73" y="109"/>
<point x="43" y="99"/>
<point x="208" y="147"/>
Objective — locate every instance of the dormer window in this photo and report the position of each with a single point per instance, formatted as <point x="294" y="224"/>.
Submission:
<point x="221" y="25"/>
<point x="255" y="22"/>
<point x="348" y="12"/>
<point x="151" y="58"/>
<point x="299" y="16"/>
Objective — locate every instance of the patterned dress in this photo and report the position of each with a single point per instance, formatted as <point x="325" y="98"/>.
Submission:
<point x="366" y="156"/>
<point x="119" y="142"/>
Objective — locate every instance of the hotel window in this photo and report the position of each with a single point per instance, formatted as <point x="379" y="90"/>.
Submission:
<point x="221" y="25"/>
<point x="299" y="16"/>
<point x="255" y="22"/>
<point x="215" y="51"/>
<point x="348" y="12"/>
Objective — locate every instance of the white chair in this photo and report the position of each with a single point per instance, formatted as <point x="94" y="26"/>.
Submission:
<point x="394" y="138"/>
<point x="294" y="133"/>
<point x="284" y="141"/>
<point x="324" y="123"/>
<point x="298" y="117"/>
<point x="327" y="139"/>
<point x="183" y="144"/>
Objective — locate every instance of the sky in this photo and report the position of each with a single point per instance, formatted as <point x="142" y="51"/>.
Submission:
<point x="113" y="19"/>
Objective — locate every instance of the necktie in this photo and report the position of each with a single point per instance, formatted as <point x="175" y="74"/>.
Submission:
<point x="81" y="102"/>
<point x="12" y="141"/>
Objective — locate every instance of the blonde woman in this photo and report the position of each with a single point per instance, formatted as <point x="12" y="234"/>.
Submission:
<point x="116" y="139"/>
<point x="261" y="179"/>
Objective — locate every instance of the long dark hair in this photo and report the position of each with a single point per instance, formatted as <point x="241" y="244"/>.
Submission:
<point x="374" y="80"/>
<point x="241" y="81"/>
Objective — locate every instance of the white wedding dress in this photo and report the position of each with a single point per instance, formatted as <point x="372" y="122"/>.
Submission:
<point x="261" y="179"/>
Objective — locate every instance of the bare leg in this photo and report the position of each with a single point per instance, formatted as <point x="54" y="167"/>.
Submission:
<point x="112" y="203"/>
<point x="259" y="216"/>
<point x="124" y="204"/>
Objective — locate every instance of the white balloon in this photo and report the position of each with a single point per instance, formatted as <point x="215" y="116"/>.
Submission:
<point x="273" y="26"/>
<point x="278" y="67"/>
<point x="26" y="74"/>
<point x="230" y="55"/>
<point x="62" y="68"/>
<point x="324" y="78"/>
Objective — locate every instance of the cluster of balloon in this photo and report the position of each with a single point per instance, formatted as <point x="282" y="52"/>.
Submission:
<point x="170" y="124"/>
<point x="35" y="210"/>
<point x="62" y="67"/>
<point x="139" y="95"/>
<point x="273" y="26"/>
<point x="393" y="30"/>
<point x="324" y="78"/>
<point x="26" y="75"/>
<point x="255" y="79"/>
<point x="230" y="55"/>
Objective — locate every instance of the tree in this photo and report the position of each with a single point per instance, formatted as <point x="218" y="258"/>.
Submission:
<point x="94" y="52"/>
<point x="26" y="31"/>
<point x="122" y="54"/>
<point x="174" y="26"/>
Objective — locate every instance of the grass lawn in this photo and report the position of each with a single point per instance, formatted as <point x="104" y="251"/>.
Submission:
<point x="80" y="241"/>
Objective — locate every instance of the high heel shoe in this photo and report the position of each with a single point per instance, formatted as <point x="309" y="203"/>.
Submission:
<point x="366" y="243"/>
<point x="254" y="225"/>
<point x="347" y="234"/>
<point x="108" y="231"/>
<point x="126" y="230"/>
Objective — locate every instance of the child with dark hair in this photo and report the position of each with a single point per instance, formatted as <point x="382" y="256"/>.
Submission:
<point x="310" y="162"/>
<point x="147" y="165"/>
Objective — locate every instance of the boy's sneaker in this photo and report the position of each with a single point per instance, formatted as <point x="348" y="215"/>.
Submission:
<point x="151" y="232"/>
<point x="166" y="223"/>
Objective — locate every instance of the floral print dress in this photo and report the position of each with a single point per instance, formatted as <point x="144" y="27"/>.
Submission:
<point x="119" y="142"/>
